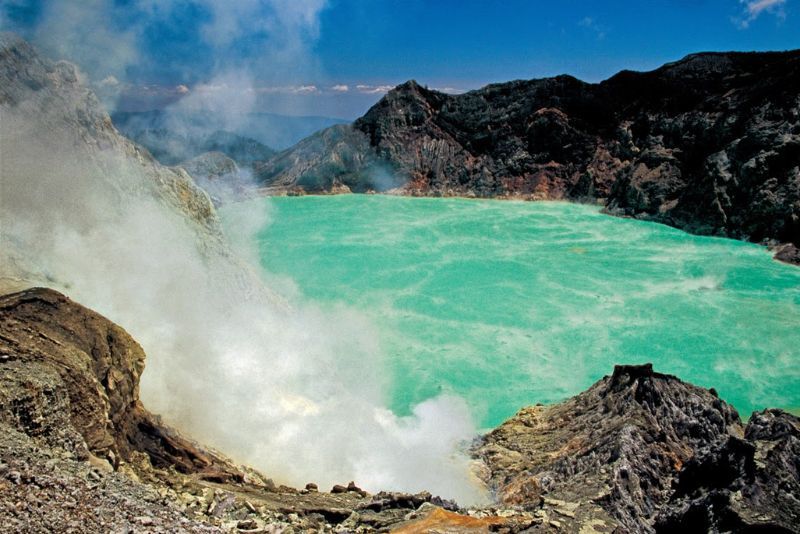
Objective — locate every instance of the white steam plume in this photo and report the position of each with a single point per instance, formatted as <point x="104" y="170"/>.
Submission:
<point x="297" y="392"/>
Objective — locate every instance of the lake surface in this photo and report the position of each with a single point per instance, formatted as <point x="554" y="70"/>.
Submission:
<point x="512" y="303"/>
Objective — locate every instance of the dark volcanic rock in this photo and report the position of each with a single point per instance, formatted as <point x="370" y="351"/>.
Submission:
<point x="610" y="454"/>
<point x="710" y="144"/>
<point x="742" y="485"/>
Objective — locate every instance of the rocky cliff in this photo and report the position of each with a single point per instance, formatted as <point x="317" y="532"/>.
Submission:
<point x="48" y="101"/>
<point x="637" y="452"/>
<point x="710" y="144"/>
<point x="648" y="452"/>
<point x="64" y="165"/>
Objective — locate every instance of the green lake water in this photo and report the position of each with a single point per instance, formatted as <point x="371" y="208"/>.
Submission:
<point x="512" y="303"/>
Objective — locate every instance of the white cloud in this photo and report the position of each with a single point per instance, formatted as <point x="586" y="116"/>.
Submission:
<point x="182" y="89"/>
<point x="373" y="89"/>
<point x="287" y="31"/>
<point x="340" y="88"/>
<point x="754" y="8"/>
<point x="305" y="90"/>
<point x="591" y="24"/>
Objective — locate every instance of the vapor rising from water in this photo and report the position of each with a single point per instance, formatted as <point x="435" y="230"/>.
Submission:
<point x="297" y="392"/>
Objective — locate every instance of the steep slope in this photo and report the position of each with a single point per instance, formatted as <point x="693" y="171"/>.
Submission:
<point x="45" y="101"/>
<point x="72" y="185"/>
<point x="74" y="383"/>
<point x="710" y="143"/>
<point x="64" y="166"/>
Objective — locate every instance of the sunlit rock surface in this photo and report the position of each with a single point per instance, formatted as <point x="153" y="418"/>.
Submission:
<point x="652" y="452"/>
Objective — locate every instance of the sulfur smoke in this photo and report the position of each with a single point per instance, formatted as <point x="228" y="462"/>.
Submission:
<point x="295" y="391"/>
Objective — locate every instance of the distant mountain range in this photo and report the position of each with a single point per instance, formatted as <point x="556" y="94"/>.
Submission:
<point x="710" y="144"/>
<point x="174" y="136"/>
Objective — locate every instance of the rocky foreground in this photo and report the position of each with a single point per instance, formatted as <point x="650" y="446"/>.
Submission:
<point x="709" y="144"/>
<point x="637" y="452"/>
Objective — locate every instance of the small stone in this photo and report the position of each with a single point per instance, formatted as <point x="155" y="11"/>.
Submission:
<point x="247" y="524"/>
<point x="312" y="487"/>
<point x="144" y="520"/>
<point x="338" y="489"/>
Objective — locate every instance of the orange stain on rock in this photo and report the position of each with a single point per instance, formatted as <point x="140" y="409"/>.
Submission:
<point x="442" y="521"/>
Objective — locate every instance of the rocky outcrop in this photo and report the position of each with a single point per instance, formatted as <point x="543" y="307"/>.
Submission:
<point x="70" y="378"/>
<point x="741" y="485"/>
<point x="78" y="450"/>
<point x="47" y="101"/>
<point x="643" y="452"/>
<point x="710" y="144"/>
<point x="333" y="157"/>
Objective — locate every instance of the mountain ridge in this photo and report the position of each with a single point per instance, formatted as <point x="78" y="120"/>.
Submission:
<point x="709" y="144"/>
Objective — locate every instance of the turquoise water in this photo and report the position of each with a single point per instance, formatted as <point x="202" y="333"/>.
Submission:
<point x="512" y="303"/>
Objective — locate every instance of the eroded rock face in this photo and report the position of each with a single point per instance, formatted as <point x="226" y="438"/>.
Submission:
<point x="742" y="485"/>
<point x="710" y="144"/>
<point x="65" y="167"/>
<point x="641" y="451"/>
<point x="70" y="378"/>
<point x="46" y="100"/>
<point x="333" y="157"/>
<point x="609" y="454"/>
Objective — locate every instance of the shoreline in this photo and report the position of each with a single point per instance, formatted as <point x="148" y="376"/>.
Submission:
<point x="786" y="253"/>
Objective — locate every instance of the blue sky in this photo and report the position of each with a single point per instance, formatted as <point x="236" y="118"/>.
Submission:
<point x="470" y="43"/>
<point x="337" y="57"/>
